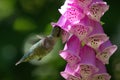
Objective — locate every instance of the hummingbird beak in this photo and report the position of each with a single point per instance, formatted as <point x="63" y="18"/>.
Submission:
<point x="20" y="61"/>
<point x="17" y="63"/>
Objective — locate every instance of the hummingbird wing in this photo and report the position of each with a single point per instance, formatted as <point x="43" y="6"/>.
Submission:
<point x="34" y="39"/>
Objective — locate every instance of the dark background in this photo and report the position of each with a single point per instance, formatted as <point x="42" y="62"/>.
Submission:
<point x="21" y="18"/>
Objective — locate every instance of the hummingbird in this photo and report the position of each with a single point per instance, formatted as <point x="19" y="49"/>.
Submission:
<point x="41" y="47"/>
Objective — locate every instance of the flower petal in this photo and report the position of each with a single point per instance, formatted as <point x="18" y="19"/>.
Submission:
<point x="71" y="69"/>
<point x="67" y="76"/>
<point x="102" y="73"/>
<point x="73" y="78"/>
<point x="69" y="72"/>
<point x="86" y="70"/>
<point x="69" y="57"/>
<point x="63" y="23"/>
<point x="103" y="76"/>
<point x="84" y="3"/>
<point x="64" y="74"/>
<point x="97" y="28"/>
<point x="71" y="45"/>
<point x="71" y="50"/>
<point x="87" y="65"/>
<point x="106" y="51"/>
<point x="66" y="5"/>
<point x="80" y="30"/>
<point x="73" y="14"/>
<point x="96" y="40"/>
<point x="97" y="10"/>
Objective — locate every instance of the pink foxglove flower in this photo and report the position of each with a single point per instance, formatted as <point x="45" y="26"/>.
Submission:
<point x="105" y="51"/>
<point x="96" y="10"/>
<point x="102" y="73"/>
<point x="68" y="76"/>
<point x="70" y="71"/>
<point x="87" y="65"/>
<point x="87" y="47"/>
<point x="97" y="36"/>
<point x="71" y="51"/>
<point x="73" y="14"/>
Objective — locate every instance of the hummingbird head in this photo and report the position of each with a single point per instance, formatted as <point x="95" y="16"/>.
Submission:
<point x="56" y="31"/>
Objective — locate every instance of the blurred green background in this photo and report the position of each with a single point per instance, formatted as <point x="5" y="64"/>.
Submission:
<point x="21" y="18"/>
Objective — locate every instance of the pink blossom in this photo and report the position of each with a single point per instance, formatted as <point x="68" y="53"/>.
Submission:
<point x="105" y="51"/>
<point x="96" y="10"/>
<point x="87" y="47"/>
<point x="102" y="73"/>
<point x="73" y="14"/>
<point x="71" y="51"/>
<point x="87" y="65"/>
